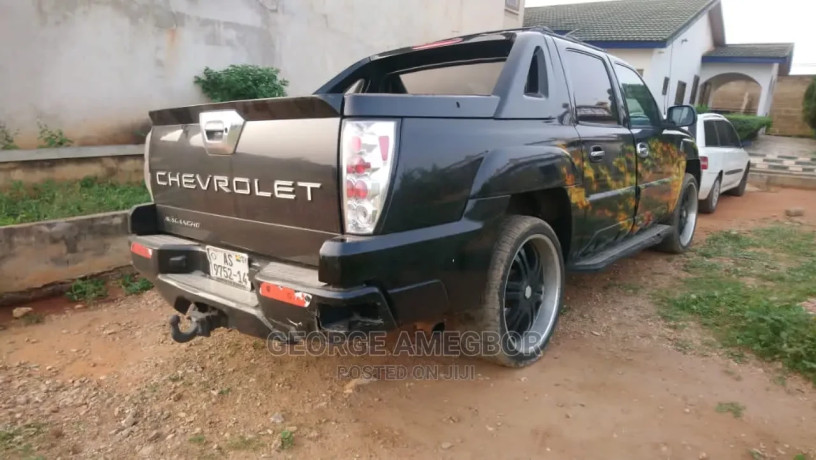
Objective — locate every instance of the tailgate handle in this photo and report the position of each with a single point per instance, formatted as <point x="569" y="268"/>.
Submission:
<point x="215" y="131"/>
<point x="220" y="130"/>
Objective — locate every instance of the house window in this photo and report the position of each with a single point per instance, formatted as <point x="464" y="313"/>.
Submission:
<point x="694" y="85"/>
<point x="512" y="5"/>
<point x="666" y="86"/>
<point x="680" y="95"/>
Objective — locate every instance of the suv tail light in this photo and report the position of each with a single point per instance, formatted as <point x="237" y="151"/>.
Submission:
<point x="703" y="163"/>
<point x="147" y="164"/>
<point x="367" y="155"/>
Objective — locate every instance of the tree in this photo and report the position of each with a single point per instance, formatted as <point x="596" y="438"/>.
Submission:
<point x="809" y="105"/>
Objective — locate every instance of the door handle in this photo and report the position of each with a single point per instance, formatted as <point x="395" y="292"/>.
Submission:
<point x="643" y="150"/>
<point x="596" y="153"/>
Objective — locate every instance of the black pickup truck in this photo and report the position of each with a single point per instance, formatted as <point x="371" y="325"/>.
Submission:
<point x="456" y="179"/>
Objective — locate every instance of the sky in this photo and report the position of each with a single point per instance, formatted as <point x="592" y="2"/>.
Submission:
<point x="760" y="21"/>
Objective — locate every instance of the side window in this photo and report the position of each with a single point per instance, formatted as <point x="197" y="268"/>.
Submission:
<point x="711" y="138"/>
<point x="640" y="103"/>
<point x="537" y="84"/>
<point x="594" y="100"/>
<point x="726" y="134"/>
<point x="736" y="142"/>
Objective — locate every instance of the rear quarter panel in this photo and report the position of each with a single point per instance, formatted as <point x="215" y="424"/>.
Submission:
<point x="443" y="163"/>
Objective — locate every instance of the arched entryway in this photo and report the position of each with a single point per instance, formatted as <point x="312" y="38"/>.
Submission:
<point x="731" y="93"/>
<point x="737" y="87"/>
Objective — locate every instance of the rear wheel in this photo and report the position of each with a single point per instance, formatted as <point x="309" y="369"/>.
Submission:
<point x="683" y="220"/>
<point x="740" y="189"/>
<point x="523" y="294"/>
<point x="709" y="205"/>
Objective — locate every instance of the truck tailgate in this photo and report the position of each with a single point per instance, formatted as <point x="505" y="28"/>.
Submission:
<point x="257" y="175"/>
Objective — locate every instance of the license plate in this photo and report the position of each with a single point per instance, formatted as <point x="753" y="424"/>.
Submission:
<point x="229" y="266"/>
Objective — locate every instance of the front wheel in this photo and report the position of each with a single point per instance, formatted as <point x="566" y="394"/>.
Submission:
<point x="683" y="220"/>
<point x="523" y="294"/>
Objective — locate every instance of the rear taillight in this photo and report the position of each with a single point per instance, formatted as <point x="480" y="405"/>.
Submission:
<point x="367" y="152"/>
<point x="147" y="164"/>
<point x="703" y="163"/>
<point x="141" y="250"/>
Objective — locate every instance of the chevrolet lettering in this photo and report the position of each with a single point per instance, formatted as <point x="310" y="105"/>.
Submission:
<point x="241" y="185"/>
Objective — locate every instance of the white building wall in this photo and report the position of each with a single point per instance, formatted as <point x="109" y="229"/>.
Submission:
<point x="94" y="68"/>
<point x="639" y="58"/>
<point x="680" y="61"/>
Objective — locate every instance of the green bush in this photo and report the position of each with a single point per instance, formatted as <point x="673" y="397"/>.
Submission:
<point x="748" y="126"/>
<point x="238" y="82"/>
<point x="809" y="105"/>
<point x="52" y="138"/>
<point x="7" y="138"/>
<point x="702" y="108"/>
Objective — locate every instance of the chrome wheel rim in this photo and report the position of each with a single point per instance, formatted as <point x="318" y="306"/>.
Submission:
<point x="532" y="290"/>
<point x="716" y="194"/>
<point x="688" y="215"/>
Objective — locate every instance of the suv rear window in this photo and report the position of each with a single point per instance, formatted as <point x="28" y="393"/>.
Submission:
<point x="466" y="79"/>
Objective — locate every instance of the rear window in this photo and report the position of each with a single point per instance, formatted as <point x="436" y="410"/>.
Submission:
<point x="469" y="79"/>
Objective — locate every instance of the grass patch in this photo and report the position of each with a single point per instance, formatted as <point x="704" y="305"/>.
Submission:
<point x="244" y="443"/>
<point x="134" y="284"/>
<point x="287" y="439"/>
<point x="197" y="439"/>
<point x="736" y="409"/>
<point x="748" y="289"/>
<point x="54" y="200"/>
<point x="18" y="438"/>
<point x="87" y="290"/>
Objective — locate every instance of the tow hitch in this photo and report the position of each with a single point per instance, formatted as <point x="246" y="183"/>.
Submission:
<point x="202" y="323"/>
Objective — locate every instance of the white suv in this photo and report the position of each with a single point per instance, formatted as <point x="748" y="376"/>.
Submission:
<point x="724" y="162"/>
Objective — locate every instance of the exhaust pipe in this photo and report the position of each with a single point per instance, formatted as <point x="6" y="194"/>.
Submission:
<point x="202" y="323"/>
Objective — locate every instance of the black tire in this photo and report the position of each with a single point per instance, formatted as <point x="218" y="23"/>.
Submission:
<point x="678" y="241"/>
<point x="740" y="189"/>
<point x="709" y="205"/>
<point x="517" y="237"/>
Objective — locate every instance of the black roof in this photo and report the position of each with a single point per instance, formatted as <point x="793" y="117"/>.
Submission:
<point x="753" y="50"/>
<point x="622" y="20"/>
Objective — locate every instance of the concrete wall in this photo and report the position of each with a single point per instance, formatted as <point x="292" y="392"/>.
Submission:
<point x="95" y="67"/>
<point x="786" y="111"/>
<point x="33" y="255"/>
<point x="737" y="96"/>
<point x="35" y="166"/>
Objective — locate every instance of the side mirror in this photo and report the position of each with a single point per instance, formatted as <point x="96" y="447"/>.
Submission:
<point x="681" y="115"/>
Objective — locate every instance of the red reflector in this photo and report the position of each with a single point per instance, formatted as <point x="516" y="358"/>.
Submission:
<point x="140" y="250"/>
<point x="285" y="294"/>
<point x="437" y="44"/>
<point x="349" y="188"/>
<point x="360" y="189"/>
<point x="358" y="166"/>
<point x="384" y="141"/>
<point x="703" y="162"/>
<point x="356" y="144"/>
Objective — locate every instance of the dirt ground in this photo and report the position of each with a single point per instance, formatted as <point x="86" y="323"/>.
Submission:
<point x="616" y="382"/>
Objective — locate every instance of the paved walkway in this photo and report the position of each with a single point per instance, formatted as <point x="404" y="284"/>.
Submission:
<point x="783" y="155"/>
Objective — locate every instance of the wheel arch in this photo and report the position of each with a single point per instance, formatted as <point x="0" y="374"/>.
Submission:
<point x="552" y="205"/>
